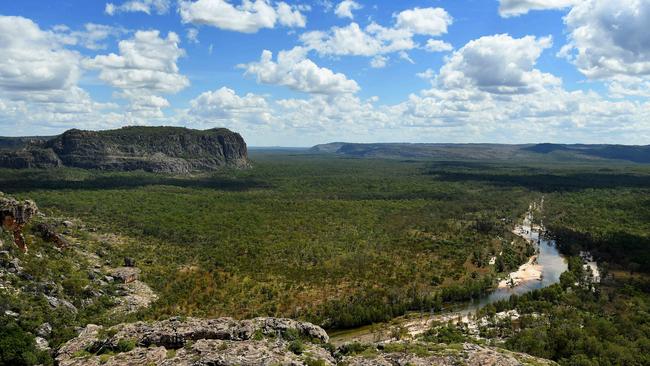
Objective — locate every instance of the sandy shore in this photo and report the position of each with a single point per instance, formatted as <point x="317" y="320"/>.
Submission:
<point x="529" y="271"/>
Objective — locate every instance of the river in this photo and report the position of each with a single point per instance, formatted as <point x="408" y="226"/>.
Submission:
<point x="547" y="260"/>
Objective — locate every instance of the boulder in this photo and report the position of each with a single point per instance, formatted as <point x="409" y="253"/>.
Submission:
<point x="44" y="330"/>
<point x="47" y="233"/>
<point x="14" y="215"/>
<point x="125" y="274"/>
<point x="42" y="344"/>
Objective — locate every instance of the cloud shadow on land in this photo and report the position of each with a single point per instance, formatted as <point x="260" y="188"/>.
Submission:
<point x="15" y="181"/>
<point x="543" y="182"/>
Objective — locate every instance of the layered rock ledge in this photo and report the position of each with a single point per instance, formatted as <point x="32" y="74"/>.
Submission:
<point x="155" y="149"/>
<point x="260" y="341"/>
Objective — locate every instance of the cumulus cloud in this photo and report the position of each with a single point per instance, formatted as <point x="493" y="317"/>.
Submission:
<point x="33" y="59"/>
<point x="375" y="39"/>
<point x="355" y="41"/>
<point x="249" y="17"/>
<point x="292" y="69"/>
<point x="609" y="38"/>
<point x="145" y="62"/>
<point x="510" y="8"/>
<point x="145" y="6"/>
<point x="379" y="62"/>
<point x="92" y="36"/>
<point x="290" y="17"/>
<point x="38" y="80"/>
<point x="145" y="66"/>
<point x="225" y="104"/>
<point x="436" y="45"/>
<point x="346" y="7"/>
<point x="428" y="21"/>
<point x="498" y="64"/>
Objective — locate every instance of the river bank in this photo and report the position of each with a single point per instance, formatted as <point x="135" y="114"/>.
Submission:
<point x="541" y="270"/>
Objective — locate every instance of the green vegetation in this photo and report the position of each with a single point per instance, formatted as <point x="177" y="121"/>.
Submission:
<point x="345" y="242"/>
<point x="339" y="242"/>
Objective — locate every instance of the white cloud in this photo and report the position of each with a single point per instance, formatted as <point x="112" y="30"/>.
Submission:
<point x="428" y="21"/>
<point x="292" y="69"/>
<point x="290" y="17"/>
<point x="145" y="66"/>
<point x="498" y="64"/>
<point x="33" y="59"/>
<point x="225" y="104"/>
<point x="436" y="45"/>
<point x="91" y="37"/>
<point x="609" y="38"/>
<point x="375" y="39"/>
<point x="193" y="35"/>
<point x="379" y="62"/>
<point x="346" y="7"/>
<point x="38" y="81"/>
<point x="249" y="17"/>
<point x="510" y="8"/>
<point x="352" y="40"/>
<point x="428" y="74"/>
<point x="144" y="6"/>
<point x="145" y="62"/>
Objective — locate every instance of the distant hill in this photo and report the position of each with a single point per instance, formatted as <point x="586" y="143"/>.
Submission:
<point x="157" y="149"/>
<point x="551" y="152"/>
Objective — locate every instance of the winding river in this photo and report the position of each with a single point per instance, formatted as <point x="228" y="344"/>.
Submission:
<point x="548" y="260"/>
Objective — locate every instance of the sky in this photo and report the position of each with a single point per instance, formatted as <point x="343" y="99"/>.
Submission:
<point x="299" y="72"/>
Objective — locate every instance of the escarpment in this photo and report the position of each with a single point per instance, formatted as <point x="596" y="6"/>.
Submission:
<point x="154" y="149"/>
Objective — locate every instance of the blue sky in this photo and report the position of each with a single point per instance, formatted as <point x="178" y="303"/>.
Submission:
<point x="509" y="71"/>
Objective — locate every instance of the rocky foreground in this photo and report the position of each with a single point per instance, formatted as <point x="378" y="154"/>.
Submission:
<point x="155" y="149"/>
<point x="260" y="341"/>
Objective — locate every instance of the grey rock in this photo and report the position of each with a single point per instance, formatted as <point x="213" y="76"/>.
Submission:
<point x="12" y="314"/>
<point x="42" y="344"/>
<point x="55" y="302"/>
<point x="44" y="330"/>
<point x="125" y="274"/>
<point x="263" y="341"/>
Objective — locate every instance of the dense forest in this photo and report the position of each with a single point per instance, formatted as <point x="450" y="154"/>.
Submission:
<point x="346" y="242"/>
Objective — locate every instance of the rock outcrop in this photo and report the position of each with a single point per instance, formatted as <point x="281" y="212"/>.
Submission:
<point x="155" y="149"/>
<point x="47" y="233"/>
<point x="194" y="341"/>
<point x="260" y="341"/>
<point x="14" y="215"/>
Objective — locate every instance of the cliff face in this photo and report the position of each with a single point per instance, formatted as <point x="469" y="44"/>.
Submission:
<point x="156" y="149"/>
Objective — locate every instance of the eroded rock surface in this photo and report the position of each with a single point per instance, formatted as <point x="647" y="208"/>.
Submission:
<point x="14" y="215"/>
<point x="260" y="341"/>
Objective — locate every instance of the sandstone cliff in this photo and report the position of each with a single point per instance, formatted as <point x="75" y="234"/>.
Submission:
<point x="155" y="149"/>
